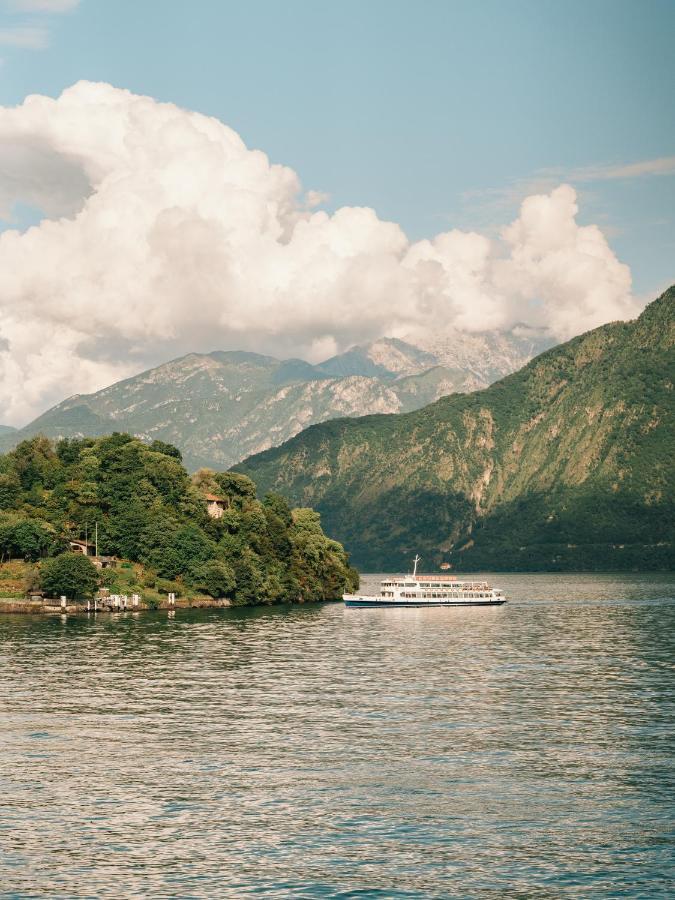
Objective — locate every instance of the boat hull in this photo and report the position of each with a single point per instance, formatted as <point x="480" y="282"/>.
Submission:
<point x="399" y="604"/>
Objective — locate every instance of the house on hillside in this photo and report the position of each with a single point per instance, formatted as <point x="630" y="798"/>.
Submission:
<point x="88" y="549"/>
<point x="215" y="506"/>
<point x="84" y="547"/>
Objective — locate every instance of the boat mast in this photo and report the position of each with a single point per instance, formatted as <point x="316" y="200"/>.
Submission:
<point x="415" y="561"/>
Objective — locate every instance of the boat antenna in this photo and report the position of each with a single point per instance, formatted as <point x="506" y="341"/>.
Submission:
<point x="415" y="561"/>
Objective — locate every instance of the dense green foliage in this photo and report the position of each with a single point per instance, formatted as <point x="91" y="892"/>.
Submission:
<point x="149" y="511"/>
<point x="567" y="464"/>
<point x="70" y="575"/>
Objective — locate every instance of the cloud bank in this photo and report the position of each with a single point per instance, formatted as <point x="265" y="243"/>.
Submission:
<point x="165" y="234"/>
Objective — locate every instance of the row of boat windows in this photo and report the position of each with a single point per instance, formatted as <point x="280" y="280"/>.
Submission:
<point x="425" y="595"/>
<point x="399" y="584"/>
<point x="452" y="586"/>
<point x="456" y="586"/>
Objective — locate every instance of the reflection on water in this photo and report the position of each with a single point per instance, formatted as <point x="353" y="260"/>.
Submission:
<point x="524" y="751"/>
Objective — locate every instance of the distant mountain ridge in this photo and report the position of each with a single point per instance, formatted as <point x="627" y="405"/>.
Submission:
<point x="221" y="407"/>
<point x="386" y="358"/>
<point x="567" y="464"/>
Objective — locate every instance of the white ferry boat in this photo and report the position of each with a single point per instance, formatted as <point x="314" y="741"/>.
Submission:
<point x="429" y="590"/>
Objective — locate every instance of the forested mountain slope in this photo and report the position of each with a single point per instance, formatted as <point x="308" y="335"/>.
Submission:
<point x="567" y="464"/>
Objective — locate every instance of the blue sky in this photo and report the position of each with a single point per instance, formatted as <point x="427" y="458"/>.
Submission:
<point x="437" y="114"/>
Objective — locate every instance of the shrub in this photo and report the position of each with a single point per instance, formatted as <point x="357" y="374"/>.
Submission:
<point x="216" y="578"/>
<point x="109" y="579"/>
<point x="32" y="581"/>
<point x="166" y="586"/>
<point x="70" y="574"/>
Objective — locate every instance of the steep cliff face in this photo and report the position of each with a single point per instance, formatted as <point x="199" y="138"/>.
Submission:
<point x="565" y="464"/>
<point x="221" y="407"/>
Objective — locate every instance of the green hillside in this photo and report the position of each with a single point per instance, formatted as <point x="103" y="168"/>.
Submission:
<point x="567" y="464"/>
<point x="146" y="509"/>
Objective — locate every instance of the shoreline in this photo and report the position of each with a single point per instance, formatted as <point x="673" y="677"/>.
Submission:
<point x="12" y="606"/>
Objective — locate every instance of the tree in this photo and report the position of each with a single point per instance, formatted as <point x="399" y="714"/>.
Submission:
<point x="10" y="490"/>
<point x="166" y="474"/>
<point x="278" y="505"/>
<point x="25" y="539"/>
<point x="168" y="562"/>
<point x="35" y="463"/>
<point x="31" y="540"/>
<point x="167" y="449"/>
<point x="235" y="485"/>
<point x="71" y="575"/>
<point x="192" y="547"/>
<point x="216" y="578"/>
<point x="32" y="580"/>
<point x="110" y="579"/>
<point x="279" y="520"/>
<point x="205" y="481"/>
<point x="307" y="520"/>
<point x="69" y="450"/>
<point x="129" y="526"/>
<point x="156" y="537"/>
<point x="250" y="579"/>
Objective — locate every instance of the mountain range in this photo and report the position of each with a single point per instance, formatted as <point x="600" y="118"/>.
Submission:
<point x="567" y="464"/>
<point x="221" y="407"/>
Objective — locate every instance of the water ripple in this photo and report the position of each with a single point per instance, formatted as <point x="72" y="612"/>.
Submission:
<point x="522" y="751"/>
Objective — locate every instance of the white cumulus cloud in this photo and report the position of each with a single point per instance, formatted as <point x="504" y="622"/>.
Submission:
<point x="165" y="234"/>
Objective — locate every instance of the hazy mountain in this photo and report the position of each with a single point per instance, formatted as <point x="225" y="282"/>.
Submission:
<point x="387" y="357"/>
<point x="487" y="356"/>
<point x="221" y="407"/>
<point x="569" y="463"/>
<point x="482" y="357"/>
<point x="6" y="429"/>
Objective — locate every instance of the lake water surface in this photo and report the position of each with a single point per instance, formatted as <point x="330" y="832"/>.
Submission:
<point x="316" y="751"/>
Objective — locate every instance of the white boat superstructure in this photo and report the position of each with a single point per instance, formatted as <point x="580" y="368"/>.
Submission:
<point x="430" y="590"/>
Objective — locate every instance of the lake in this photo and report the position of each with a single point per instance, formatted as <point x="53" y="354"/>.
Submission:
<point x="316" y="751"/>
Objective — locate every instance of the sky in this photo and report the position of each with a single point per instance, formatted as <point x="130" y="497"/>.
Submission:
<point x="459" y="165"/>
